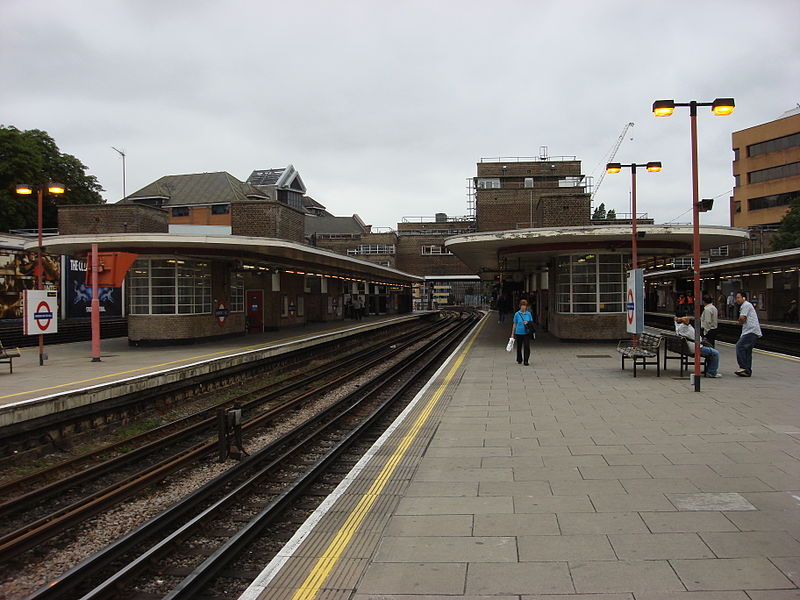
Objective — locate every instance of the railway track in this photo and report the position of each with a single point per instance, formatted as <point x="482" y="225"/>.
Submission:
<point x="197" y="537"/>
<point x="46" y="510"/>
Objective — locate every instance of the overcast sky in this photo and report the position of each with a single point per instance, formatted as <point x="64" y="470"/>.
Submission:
<point x="385" y="107"/>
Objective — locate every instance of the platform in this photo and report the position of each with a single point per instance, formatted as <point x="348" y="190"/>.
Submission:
<point x="566" y="479"/>
<point x="69" y="378"/>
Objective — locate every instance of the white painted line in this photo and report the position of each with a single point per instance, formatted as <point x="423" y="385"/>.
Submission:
<point x="284" y="554"/>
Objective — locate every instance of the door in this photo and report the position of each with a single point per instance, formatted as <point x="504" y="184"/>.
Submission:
<point x="255" y="311"/>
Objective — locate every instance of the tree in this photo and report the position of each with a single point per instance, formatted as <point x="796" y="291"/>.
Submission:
<point x="788" y="235"/>
<point x="599" y="212"/>
<point x="612" y="214"/>
<point x="33" y="157"/>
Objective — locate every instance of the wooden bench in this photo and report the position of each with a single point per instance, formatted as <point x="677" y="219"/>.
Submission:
<point x="679" y="348"/>
<point x="646" y="352"/>
<point x="7" y="355"/>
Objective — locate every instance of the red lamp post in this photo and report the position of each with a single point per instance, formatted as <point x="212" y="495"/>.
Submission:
<point x="26" y="190"/>
<point x="664" y="108"/>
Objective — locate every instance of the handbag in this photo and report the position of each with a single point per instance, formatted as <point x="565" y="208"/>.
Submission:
<point x="510" y="344"/>
<point x="531" y="329"/>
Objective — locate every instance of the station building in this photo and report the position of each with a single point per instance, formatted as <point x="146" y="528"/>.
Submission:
<point x="572" y="270"/>
<point x="218" y="257"/>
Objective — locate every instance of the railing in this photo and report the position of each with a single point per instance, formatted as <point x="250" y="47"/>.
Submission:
<point x="528" y="159"/>
<point x="433" y="219"/>
<point x="33" y="232"/>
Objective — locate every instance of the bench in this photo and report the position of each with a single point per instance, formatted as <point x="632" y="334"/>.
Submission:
<point x="7" y="355"/>
<point x="646" y="352"/>
<point x="679" y="348"/>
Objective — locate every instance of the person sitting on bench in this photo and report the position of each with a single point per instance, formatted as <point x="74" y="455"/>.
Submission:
<point x="684" y="329"/>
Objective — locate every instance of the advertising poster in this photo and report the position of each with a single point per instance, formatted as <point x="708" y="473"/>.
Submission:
<point x="78" y="292"/>
<point x="17" y="274"/>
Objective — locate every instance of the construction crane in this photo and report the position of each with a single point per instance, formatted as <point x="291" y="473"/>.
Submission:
<point x="610" y="158"/>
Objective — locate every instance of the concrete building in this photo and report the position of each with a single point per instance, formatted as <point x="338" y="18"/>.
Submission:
<point x="766" y="170"/>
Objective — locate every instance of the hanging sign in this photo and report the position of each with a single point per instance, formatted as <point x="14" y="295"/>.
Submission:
<point x="41" y="312"/>
<point x="221" y="313"/>
<point x="634" y="302"/>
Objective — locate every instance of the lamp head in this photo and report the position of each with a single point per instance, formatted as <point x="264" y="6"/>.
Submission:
<point x="663" y="108"/>
<point x="24" y="189"/>
<point x="705" y="205"/>
<point x="56" y="188"/>
<point x="613" y="167"/>
<point x="654" y="167"/>
<point x="722" y="106"/>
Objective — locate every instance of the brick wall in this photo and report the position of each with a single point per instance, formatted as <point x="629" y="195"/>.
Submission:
<point x="563" y="210"/>
<point x="111" y="218"/>
<point x="501" y="209"/>
<point x="411" y="260"/>
<point x="178" y="328"/>
<point x="267" y="219"/>
<point x="588" y="326"/>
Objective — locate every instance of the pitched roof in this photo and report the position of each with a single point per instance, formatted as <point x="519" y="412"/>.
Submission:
<point x="287" y="178"/>
<point x="315" y="224"/>
<point x="198" y="188"/>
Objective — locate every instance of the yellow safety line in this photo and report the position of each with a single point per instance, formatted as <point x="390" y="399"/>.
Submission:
<point x="776" y="355"/>
<point x="327" y="561"/>
<point x="173" y="362"/>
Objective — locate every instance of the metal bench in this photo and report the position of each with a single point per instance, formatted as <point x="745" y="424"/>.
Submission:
<point x="679" y="348"/>
<point x="7" y="355"/>
<point x="646" y="352"/>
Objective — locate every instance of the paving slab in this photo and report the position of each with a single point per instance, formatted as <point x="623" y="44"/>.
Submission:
<point x="625" y="576"/>
<point x="730" y="574"/>
<point x="659" y="546"/>
<point x="752" y="543"/>
<point x="519" y="578"/>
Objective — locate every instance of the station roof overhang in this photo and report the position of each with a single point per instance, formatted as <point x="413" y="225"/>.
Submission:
<point x="532" y="249"/>
<point x="757" y="263"/>
<point x="274" y="252"/>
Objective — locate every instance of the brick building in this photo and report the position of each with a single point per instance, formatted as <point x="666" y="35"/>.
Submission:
<point x="519" y="192"/>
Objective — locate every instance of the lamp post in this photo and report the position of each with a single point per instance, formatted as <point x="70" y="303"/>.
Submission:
<point x="26" y="190"/>
<point x="664" y="108"/>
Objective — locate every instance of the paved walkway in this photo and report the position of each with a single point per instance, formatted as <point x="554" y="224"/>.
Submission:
<point x="568" y="479"/>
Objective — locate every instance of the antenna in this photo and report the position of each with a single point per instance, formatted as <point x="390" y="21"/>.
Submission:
<point x="122" y="154"/>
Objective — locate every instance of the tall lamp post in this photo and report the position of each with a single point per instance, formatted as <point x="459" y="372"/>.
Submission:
<point x="652" y="167"/>
<point x="664" y="108"/>
<point x="26" y="190"/>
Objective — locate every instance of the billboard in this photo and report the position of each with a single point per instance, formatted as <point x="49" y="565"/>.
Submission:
<point x="17" y="274"/>
<point x="78" y="292"/>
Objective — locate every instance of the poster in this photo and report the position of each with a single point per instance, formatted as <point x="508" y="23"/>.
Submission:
<point x="78" y="292"/>
<point x="17" y="274"/>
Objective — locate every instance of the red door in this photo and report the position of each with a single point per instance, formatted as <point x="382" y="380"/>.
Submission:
<point x="255" y="311"/>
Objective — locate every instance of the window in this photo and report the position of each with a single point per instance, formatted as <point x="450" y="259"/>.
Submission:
<point x="371" y="249"/>
<point x="735" y="154"/>
<point x="688" y="261"/>
<point x="591" y="283"/>
<point x="772" y="201"/>
<point x="721" y="251"/>
<point x="432" y="249"/>
<point x="169" y="286"/>
<point x="301" y="306"/>
<point x="285" y="306"/>
<point x="737" y="180"/>
<point x="781" y="143"/>
<point x="220" y="209"/>
<point x="489" y="184"/>
<point x="180" y="211"/>
<point x="778" y="172"/>
<point x="237" y="292"/>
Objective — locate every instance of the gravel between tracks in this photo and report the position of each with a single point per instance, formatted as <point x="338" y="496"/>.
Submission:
<point x="40" y="567"/>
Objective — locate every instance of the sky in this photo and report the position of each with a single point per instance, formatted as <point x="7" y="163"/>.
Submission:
<point x="385" y="107"/>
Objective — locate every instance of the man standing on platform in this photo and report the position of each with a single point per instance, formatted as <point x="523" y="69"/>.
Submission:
<point x="751" y="331"/>
<point x="731" y="306"/>
<point x="708" y="322"/>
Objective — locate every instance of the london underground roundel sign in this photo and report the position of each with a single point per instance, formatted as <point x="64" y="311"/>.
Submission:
<point x="41" y="312"/>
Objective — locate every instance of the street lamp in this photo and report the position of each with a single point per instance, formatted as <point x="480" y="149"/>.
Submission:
<point x="664" y="108"/>
<point x="652" y="167"/>
<point x="26" y="190"/>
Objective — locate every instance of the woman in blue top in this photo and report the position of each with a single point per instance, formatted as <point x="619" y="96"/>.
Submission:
<point x="520" y="332"/>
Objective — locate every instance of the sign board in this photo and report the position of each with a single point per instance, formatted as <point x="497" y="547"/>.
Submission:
<point x="221" y="313"/>
<point x="78" y="293"/>
<point x="634" y="302"/>
<point x="41" y="312"/>
<point x="113" y="266"/>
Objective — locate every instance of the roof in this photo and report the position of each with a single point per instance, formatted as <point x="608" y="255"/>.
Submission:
<point x="731" y="265"/>
<point x="325" y="224"/>
<point x="13" y="242"/>
<point x="197" y="188"/>
<point x="533" y="248"/>
<point x="282" y="253"/>
<point x="286" y="178"/>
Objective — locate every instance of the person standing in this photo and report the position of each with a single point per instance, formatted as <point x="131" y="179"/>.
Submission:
<point x="731" y="305"/>
<point x="686" y="331"/>
<point x="502" y="308"/>
<point x="519" y="330"/>
<point x="709" y="322"/>
<point x="751" y="331"/>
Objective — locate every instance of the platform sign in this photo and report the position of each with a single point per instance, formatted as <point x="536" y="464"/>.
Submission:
<point x="41" y="312"/>
<point x="221" y="313"/>
<point x="634" y="302"/>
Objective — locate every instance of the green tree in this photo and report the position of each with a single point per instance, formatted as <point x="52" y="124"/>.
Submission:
<point x="788" y="235"/>
<point x="599" y="212"/>
<point x="33" y="157"/>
